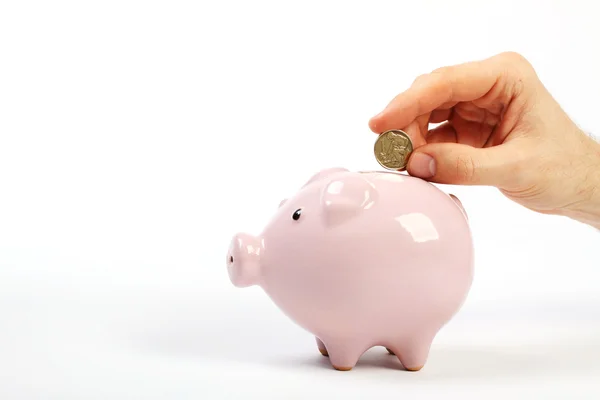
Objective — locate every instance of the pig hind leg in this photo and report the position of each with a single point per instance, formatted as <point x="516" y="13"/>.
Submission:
<point x="322" y="348"/>
<point x="412" y="354"/>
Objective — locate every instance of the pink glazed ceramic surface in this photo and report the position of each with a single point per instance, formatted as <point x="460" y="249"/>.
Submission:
<point x="362" y="259"/>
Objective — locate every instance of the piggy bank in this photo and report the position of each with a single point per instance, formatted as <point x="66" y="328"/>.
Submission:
<point x="362" y="259"/>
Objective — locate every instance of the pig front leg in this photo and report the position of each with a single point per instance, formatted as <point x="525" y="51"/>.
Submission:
<point x="343" y="355"/>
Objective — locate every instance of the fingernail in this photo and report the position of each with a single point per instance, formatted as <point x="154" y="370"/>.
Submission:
<point x="422" y="165"/>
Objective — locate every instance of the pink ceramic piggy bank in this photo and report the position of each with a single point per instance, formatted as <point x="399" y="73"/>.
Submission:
<point x="363" y="259"/>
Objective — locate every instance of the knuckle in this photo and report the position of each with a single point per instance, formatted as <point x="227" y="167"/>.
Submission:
<point x="443" y="71"/>
<point x="523" y="168"/>
<point x="465" y="168"/>
<point x="516" y="64"/>
<point x="516" y="72"/>
<point x="420" y="79"/>
<point x="514" y="57"/>
<point x="438" y="81"/>
<point x="517" y="169"/>
<point x="441" y="80"/>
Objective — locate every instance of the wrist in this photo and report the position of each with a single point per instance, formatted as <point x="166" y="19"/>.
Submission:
<point x="586" y="208"/>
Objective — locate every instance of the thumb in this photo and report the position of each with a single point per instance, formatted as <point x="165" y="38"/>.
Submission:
<point x="460" y="164"/>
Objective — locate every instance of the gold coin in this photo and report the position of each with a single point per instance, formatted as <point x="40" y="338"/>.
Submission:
<point x="392" y="149"/>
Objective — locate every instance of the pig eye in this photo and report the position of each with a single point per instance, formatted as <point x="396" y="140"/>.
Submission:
<point x="296" y="214"/>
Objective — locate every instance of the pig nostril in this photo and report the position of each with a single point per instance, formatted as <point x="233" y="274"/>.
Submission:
<point x="231" y="259"/>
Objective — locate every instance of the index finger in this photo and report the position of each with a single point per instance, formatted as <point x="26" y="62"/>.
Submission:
<point x="443" y="88"/>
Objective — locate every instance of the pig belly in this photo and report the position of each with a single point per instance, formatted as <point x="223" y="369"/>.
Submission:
<point x="380" y="302"/>
<point x="384" y="307"/>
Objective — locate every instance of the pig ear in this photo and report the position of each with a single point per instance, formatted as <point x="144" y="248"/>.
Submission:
<point x="324" y="173"/>
<point x="343" y="199"/>
<point x="459" y="204"/>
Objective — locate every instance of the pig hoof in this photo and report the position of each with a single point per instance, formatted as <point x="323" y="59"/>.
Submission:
<point x="390" y="351"/>
<point x="324" y="352"/>
<point x="342" y="368"/>
<point x="414" y="369"/>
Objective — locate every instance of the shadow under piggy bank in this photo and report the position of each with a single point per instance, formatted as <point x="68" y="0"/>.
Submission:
<point x="241" y="338"/>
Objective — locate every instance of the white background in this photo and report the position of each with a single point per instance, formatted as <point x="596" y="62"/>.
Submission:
<point x="137" y="137"/>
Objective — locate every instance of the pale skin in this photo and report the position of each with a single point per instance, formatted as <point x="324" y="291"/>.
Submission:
<point x="500" y="127"/>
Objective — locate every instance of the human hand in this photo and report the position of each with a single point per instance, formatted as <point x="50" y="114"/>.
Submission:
<point x="501" y="127"/>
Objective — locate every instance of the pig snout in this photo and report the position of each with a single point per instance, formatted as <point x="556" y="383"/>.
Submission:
<point x="243" y="260"/>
